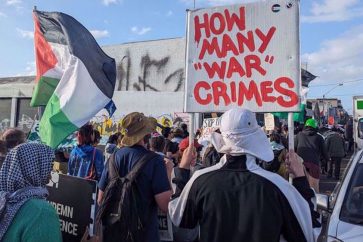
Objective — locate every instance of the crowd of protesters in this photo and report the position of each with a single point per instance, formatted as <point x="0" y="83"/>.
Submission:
<point x="238" y="177"/>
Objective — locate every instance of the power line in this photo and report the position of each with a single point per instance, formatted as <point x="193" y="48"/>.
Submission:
<point x="332" y="84"/>
<point x="340" y="95"/>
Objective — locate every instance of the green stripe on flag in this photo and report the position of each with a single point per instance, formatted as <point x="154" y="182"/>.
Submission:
<point x="298" y="116"/>
<point x="55" y="126"/>
<point x="43" y="91"/>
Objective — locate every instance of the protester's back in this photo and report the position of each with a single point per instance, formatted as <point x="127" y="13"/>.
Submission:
<point x="124" y="211"/>
<point x="236" y="200"/>
<point x="85" y="160"/>
<point x="112" y="145"/>
<point x="309" y="145"/>
<point x="335" y="145"/>
<point x="152" y="182"/>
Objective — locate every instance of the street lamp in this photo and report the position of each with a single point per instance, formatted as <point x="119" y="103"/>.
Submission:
<point x="338" y="85"/>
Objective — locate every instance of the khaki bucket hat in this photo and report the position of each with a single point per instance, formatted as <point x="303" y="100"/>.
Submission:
<point x="135" y="126"/>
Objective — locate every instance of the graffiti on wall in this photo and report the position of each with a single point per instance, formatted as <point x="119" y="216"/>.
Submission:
<point x="25" y="123"/>
<point x="150" y="65"/>
<point x="4" y="125"/>
<point x="150" y="72"/>
<point x="107" y="126"/>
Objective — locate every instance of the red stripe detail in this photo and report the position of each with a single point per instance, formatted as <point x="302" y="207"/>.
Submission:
<point x="44" y="56"/>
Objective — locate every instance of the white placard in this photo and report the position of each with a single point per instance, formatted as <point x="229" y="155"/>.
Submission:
<point x="210" y="125"/>
<point x="269" y="121"/>
<point x="243" y="55"/>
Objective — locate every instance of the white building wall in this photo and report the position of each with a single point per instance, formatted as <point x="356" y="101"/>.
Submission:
<point x="150" y="78"/>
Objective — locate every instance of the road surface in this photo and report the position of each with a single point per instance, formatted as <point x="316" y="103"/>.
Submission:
<point x="327" y="185"/>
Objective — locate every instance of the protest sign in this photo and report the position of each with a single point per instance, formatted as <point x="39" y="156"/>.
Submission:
<point x="210" y="125"/>
<point x="165" y="227"/>
<point x="269" y="121"/>
<point x="33" y="135"/>
<point x="181" y="118"/>
<point x="74" y="200"/>
<point x="243" y="55"/>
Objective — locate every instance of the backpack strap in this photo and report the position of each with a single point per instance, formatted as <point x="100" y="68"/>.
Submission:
<point x="112" y="167"/>
<point x="135" y="171"/>
<point x="93" y="172"/>
<point x="113" y="172"/>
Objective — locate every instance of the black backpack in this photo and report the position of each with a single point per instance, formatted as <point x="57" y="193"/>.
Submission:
<point x="121" y="215"/>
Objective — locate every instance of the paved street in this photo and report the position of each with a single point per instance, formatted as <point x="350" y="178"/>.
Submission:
<point x="327" y="185"/>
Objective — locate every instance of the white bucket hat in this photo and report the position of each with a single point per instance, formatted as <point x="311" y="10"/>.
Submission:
<point x="240" y="134"/>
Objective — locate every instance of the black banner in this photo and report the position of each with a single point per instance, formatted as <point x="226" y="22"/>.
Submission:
<point x="165" y="227"/>
<point x="74" y="200"/>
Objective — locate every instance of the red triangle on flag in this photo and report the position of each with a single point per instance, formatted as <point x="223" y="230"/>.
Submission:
<point x="45" y="58"/>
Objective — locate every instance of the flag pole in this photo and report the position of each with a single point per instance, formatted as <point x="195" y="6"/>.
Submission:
<point x="40" y="108"/>
<point x="290" y="123"/>
<point x="40" y="111"/>
<point x="191" y="129"/>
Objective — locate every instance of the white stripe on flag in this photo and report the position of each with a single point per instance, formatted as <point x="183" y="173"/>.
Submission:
<point x="63" y="56"/>
<point x="80" y="98"/>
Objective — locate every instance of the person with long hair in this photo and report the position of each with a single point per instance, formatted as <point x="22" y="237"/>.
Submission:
<point x="85" y="160"/>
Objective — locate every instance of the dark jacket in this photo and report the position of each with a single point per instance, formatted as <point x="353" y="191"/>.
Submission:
<point x="335" y="145"/>
<point x="211" y="156"/>
<point x="236" y="200"/>
<point x="349" y="130"/>
<point x="310" y="146"/>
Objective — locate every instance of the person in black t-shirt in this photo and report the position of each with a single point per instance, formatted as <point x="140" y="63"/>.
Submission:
<point x="236" y="200"/>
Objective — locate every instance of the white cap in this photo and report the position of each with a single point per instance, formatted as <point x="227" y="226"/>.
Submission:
<point x="240" y="134"/>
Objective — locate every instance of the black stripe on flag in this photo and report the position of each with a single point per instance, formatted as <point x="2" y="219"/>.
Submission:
<point x="63" y="29"/>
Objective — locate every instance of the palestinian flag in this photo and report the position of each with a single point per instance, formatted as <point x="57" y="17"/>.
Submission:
<point x="75" y="78"/>
<point x="306" y="77"/>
